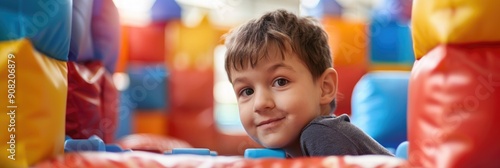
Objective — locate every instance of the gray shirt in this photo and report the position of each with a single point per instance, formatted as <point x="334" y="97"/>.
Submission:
<point x="328" y="135"/>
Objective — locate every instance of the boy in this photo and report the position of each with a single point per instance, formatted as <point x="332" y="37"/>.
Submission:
<point x="281" y="71"/>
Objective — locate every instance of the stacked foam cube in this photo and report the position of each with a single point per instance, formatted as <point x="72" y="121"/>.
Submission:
<point x="379" y="98"/>
<point x="92" y="103"/>
<point x="453" y="93"/>
<point x="34" y="47"/>
<point x="390" y="37"/>
<point x="143" y="52"/>
<point x="192" y="82"/>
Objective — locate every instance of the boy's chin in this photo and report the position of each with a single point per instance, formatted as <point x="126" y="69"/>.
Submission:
<point x="272" y="144"/>
<point x="272" y="141"/>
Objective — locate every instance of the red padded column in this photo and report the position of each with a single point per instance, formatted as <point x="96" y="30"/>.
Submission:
<point x="92" y="103"/>
<point x="454" y="98"/>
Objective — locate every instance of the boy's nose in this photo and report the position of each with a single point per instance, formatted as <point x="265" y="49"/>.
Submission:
<point x="263" y="101"/>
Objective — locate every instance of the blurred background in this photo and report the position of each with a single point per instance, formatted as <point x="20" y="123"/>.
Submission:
<point x="147" y="75"/>
<point x="172" y="82"/>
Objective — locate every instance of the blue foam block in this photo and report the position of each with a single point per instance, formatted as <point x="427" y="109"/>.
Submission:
<point x="256" y="153"/>
<point x="322" y="8"/>
<point x="113" y="148"/>
<point x="390" y="42"/>
<point x="47" y="24"/>
<point x="402" y="150"/>
<point x="125" y="110"/>
<point x="379" y="106"/>
<point x="192" y="151"/>
<point x="94" y="143"/>
<point x="164" y="10"/>
<point x="148" y="86"/>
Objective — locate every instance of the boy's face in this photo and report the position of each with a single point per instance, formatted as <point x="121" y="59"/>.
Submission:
<point x="276" y="99"/>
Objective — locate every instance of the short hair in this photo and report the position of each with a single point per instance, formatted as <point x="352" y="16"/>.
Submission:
<point x="305" y="36"/>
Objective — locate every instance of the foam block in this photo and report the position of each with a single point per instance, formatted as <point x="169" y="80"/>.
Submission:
<point x="348" y="77"/>
<point x="150" y="121"/>
<point x="47" y="24"/>
<point x="105" y="33"/>
<point x="165" y="10"/>
<point x="394" y="10"/>
<point x="92" y="104"/>
<point x="147" y="44"/>
<point x="379" y="106"/>
<point x="348" y="41"/>
<point x="81" y="37"/>
<point x="190" y="151"/>
<point x="256" y="153"/>
<point x="93" y="143"/>
<point x="454" y="22"/>
<point x="148" y="85"/>
<point x="321" y="9"/>
<point x="390" y="42"/>
<point x="402" y="150"/>
<point x="39" y="84"/>
<point x="125" y="112"/>
<point x="453" y="107"/>
<point x="191" y="89"/>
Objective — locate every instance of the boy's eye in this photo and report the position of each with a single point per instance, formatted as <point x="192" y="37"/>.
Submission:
<point x="280" y="82"/>
<point x="246" y="92"/>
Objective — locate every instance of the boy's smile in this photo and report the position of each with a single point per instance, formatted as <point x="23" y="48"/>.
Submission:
<point x="276" y="98"/>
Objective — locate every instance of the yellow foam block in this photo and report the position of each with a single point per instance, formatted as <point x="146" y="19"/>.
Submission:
<point x="453" y="21"/>
<point x="191" y="47"/>
<point x="32" y="124"/>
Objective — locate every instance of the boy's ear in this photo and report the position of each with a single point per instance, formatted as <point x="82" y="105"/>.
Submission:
<point x="328" y="84"/>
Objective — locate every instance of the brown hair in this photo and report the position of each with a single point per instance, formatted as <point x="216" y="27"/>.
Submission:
<point x="249" y="43"/>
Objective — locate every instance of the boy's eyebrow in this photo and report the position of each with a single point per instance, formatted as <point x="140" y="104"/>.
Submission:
<point x="237" y="80"/>
<point x="269" y="70"/>
<point x="280" y="65"/>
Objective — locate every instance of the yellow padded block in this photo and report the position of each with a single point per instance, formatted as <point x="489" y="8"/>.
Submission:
<point x="37" y="123"/>
<point x="453" y="22"/>
<point x="191" y="47"/>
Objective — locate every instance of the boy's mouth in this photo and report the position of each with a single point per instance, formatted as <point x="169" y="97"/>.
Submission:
<point x="270" y="121"/>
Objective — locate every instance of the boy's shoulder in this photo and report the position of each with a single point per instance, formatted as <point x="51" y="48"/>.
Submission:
<point x="330" y="120"/>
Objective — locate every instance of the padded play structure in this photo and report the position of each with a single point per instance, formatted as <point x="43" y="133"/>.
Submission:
<point x="453" y="86"/>
<point x="427" y="91"/>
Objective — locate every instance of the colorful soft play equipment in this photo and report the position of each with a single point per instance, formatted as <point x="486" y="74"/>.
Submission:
<point x="147" y="43"/>
<point x="451" y="92"/>
<point x="34" y="44"/>
<point x="379" y="106"/>
<point x="144" y="48"/>
<point x="390" y="43"/>
<point x="92" y="101"/>
<point x="453" y="89"/>
<point x="154" y="160"/>
<point x="257" y="153"/>
<point x="402" y="150"/>
<point x="148" y="85"/>
<point x="93" y="152"/>
<point x="95" y="32"/>
<point x="321" y="8"/>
